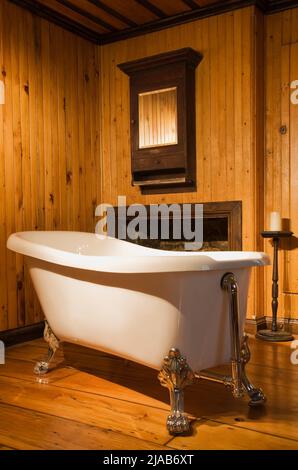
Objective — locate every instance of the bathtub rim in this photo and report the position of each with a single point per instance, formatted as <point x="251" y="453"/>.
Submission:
<point x="147" y="260"/>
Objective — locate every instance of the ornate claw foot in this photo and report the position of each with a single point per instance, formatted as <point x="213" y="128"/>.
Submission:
<point x="256" y="395"/>
<point x="42" y="367"/>
<point x="175" y="375"/>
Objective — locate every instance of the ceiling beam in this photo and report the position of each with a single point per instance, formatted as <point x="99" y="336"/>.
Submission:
<point x="191" y="4"/>
<point x="112" y="12"/>
<point x="87" y="15"/>
<point x="150" y="7"/>
<point x="280" y="5"/>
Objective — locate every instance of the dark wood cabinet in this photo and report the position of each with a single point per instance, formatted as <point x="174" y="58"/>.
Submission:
<point x="162" y="113"/>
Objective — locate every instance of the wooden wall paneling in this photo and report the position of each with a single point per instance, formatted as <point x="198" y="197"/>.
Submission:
<point x="76" y="160"/>
<point x="222" y="117"/>
<point x="36" y="150"/>
<point x="18" y="163"/>
<point x="247" y="118"/>
<point x="48" y="131"/>
<point x="214" y="106"/>
<point x="281" y="151"/>
<point x="47" y="125"/>
<point x="258" y="142"/>
<point x="285" y="23"/>
<point x="269" y="61"/>
<point x="62" y="141"/>
<point x="285" y="159"/>
<point x="81" y="138"/>
<point x="54" y="198"/>
<point x="105" y="111"/>
<point x="69" y="137"/>
<point x="230" y="106"/>
<point x="91" y="83"/>
<point x="277" y="199"/>
<point x="9" y="171"/>
<point x="203" y="116"/>
<point x="237" y="80"/>
<point x="98" y="129"/>
<point x="124" y="132"/>
<point x="24" y="283"/>
<point x="73" y="110"/>
<point x="92" y="86"/>
<point x="45" y="129"/>
<point x="286" y="26"/>
<point x="3" y="264"/>
<point x="37" y="143"/>
<point x="292" y="282"/>
<point x="88" y="135"/>
<point x="294" y="23"/>
<point x="116" y="137"/>
<point x="247" y="173"/>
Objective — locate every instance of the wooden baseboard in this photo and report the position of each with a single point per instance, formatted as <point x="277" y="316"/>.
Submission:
<point x="252" y="325"/>
<point x="261" y="323"/>
<point x="20" y="335"/>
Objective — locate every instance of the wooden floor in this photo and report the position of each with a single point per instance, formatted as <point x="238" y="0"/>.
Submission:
<point x="96" y="401"/>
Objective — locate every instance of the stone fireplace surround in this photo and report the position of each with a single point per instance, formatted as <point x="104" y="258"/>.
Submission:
<point x="222" y="228"/>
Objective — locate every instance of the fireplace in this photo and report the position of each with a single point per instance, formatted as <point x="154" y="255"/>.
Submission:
<point x="222" y="228"/>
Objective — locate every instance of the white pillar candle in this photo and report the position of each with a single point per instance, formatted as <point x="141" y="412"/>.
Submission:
<point x="275" y="222"/>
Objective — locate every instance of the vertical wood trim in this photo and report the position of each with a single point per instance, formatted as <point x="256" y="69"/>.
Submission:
<point x="258" y="139"/>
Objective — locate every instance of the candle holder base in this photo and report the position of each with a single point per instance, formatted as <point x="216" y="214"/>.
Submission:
<point x="269" y="335"/>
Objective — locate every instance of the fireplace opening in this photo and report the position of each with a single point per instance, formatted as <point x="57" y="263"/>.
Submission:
<point x="222" y="229"/>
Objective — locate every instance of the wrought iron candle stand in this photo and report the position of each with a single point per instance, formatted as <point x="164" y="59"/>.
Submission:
<point x="275" y="334"/>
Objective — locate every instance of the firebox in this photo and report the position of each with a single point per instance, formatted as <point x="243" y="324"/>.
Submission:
<point x="222" y="228"/>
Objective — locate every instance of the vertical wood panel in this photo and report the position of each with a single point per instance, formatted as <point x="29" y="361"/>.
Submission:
<point x="291" y="284"/>
<point x="49" y="144"/>
<point x="258" y="142"/>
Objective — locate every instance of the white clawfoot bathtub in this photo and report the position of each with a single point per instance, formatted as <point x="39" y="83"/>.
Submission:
<point x="136" y="302"/>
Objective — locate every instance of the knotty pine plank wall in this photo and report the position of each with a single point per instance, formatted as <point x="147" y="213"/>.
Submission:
<point x="229" y="110"/>
<point x="49" y="143"/>
<point x="281" y="151"/>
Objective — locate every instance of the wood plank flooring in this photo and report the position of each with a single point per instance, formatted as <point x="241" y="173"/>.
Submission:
<point x="93" y="400"/>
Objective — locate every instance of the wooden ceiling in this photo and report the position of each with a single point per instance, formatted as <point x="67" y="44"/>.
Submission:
<point x="104" y="21"/>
